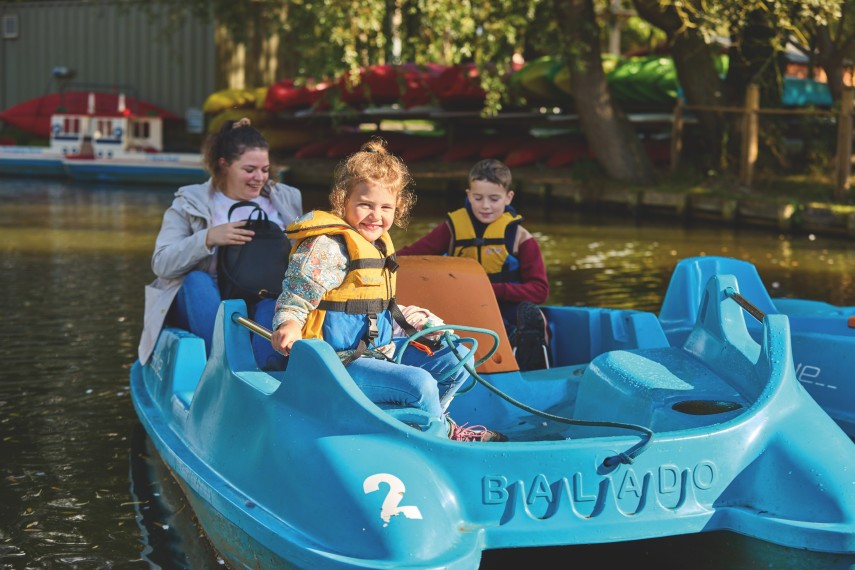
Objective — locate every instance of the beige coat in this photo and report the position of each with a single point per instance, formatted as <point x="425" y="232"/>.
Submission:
<point x="180" y="248"/>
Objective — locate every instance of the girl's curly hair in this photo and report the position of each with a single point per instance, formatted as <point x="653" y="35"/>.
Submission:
<point x="374" y="163"/>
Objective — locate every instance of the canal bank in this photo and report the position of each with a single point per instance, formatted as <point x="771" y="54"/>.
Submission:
<point x="556" y="187"/>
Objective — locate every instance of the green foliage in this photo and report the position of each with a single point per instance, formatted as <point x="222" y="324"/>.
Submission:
<point x="638" y="35"/>
<point x="327" y="38"/>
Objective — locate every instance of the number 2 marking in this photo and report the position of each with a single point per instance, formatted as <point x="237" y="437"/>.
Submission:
<point x="393" y="497"/>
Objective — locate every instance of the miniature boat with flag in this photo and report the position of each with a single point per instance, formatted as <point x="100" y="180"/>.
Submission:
<point x="625" y="437"/>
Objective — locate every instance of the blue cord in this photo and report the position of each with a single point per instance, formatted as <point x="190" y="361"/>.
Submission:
<point x="626" y="457"/>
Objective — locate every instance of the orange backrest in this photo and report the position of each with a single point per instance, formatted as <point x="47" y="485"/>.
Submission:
<point x="458" y="291"/>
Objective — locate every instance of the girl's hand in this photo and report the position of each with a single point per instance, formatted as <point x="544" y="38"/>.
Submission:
<point x="420" y="318"/>
<point x="285" y="336"/>
<point x="231" y="233"/>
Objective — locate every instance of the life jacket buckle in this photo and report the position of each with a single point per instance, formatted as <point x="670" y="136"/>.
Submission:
<point x="373" y="330"/>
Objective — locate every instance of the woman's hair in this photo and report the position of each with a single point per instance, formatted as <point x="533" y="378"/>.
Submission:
<point x="374" y="163"/>
<point x="232" y="140"/>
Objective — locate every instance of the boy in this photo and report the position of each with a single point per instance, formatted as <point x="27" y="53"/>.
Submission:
<point x="488" y="230"/>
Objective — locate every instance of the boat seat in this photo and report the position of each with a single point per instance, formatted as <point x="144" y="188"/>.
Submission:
<point x="607" y="329"/>
<point x="707" y="380"/>
<point x="662" y="388"/>
<point x="185" y="363"/>
<point x="690" y="277"/>
<point x="459" y="292"/>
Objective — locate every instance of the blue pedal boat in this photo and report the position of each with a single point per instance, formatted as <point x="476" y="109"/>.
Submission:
<point x="625" y="438"/>
<point x="823" y="335"/>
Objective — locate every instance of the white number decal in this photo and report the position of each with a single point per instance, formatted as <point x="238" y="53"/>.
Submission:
<point x="391" y="505"/>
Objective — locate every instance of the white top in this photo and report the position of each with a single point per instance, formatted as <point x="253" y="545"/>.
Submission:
<point x="222" y="203"/>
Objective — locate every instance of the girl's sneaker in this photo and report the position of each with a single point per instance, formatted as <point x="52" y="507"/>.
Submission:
<point x="472" y="433"/>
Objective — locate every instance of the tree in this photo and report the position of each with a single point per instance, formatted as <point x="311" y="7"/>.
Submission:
<point x="757" y="32"/>
<point x="607" y="129"/>
<point x="694" y="59"/>
<point x="327" y="38"/>
<point x="830" y="42"/>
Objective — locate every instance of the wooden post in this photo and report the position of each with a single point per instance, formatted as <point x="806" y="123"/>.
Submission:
<point x="677" y="135"/>
<point x="750" y="132"/>
<point x="844" y="144"/>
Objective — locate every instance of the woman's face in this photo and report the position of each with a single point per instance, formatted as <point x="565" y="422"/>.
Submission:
<point x="246" y="176"/>
<point x="370" y="209"/>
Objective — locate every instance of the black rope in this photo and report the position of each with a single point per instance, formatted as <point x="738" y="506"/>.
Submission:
<point x="626" y="457"/>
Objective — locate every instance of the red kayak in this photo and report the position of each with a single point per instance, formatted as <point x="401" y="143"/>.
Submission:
<point x="315" y="150"/>
<point x="422" y="147"/>
<point x="376" y="85"/>
<point x="500" y="145"/>
<point x="418" y="83"/>
<point x="410" y="84"/>
<point x="34" y="115"/>
<point x="347" y="144"/>
<point x="459" y="87"/>
<point x="569" y="153"/>
<point x="466" y="149"/>
<point x="285" y="95"/>
<point x="534" y="151"/>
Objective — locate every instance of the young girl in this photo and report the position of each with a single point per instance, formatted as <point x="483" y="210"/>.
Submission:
<point x="340" y="286"/>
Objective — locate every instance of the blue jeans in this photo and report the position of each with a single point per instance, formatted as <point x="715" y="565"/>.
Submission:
<point x="416" y="382"/>
<point x="195" y="309"/>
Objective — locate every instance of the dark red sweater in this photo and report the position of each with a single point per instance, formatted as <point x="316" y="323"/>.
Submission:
<point x="534" y="286"/>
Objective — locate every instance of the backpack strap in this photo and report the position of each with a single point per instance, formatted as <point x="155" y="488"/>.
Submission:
<point x="261" y="214"/>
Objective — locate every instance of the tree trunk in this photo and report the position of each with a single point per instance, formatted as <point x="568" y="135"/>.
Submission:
<point x="754" y="59"/>
<point x="833" y="59"/>
<point x="609" y="133"/>
<point x="694" y="61"/>
<point x="230" y="60"/>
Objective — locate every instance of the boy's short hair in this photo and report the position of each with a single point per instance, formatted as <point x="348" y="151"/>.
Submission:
<point x="491" y="170"/>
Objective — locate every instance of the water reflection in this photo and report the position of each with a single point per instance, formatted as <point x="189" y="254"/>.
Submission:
<point x="73" y="263"/>
<point x="163" y="515"/>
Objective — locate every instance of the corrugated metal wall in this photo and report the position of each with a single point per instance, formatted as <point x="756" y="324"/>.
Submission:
<point x="106" y="43"/>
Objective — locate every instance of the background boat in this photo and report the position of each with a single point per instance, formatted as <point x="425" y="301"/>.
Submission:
<point x="105" y="141"/>
<point x="35" y="115"/>
<point x="823" y="335"/>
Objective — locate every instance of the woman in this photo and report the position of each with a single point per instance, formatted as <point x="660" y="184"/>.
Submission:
<point x="197" y="223"/>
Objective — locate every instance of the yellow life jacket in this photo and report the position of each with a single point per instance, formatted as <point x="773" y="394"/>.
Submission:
<point x="358" y="309"/>
<point x="493" y="249"/>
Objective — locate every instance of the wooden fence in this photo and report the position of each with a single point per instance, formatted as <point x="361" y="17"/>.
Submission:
<point x="751" y="112"/>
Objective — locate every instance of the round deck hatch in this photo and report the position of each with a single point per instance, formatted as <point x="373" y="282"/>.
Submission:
<point x="705" y="407"/>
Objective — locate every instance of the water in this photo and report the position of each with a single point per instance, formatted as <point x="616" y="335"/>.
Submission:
<point x="81" y="489"/>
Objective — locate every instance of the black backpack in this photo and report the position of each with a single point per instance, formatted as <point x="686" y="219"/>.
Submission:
<point x="254" y="270"/>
